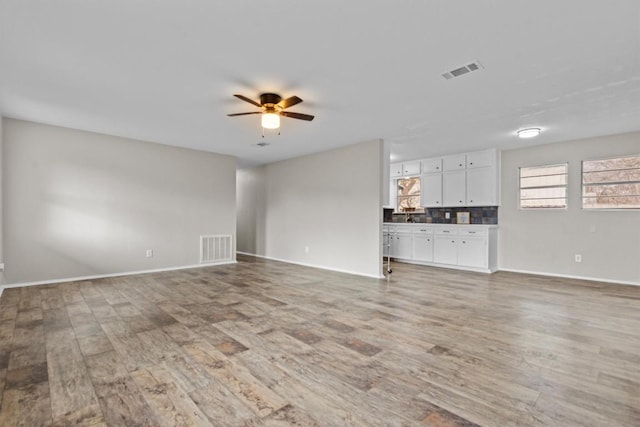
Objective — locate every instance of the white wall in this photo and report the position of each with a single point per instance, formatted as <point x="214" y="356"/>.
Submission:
<point x="251" y="205"/>
<point x="330" y="202"/>
<point x="1" y="208"/>
<point x="79" y="204"/>
<point x="546" y="241"/>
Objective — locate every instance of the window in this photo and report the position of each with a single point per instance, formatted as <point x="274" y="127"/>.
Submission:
<point x="611" y="183"/>
<point x="409" y="195"/>
<point x="544" y="187"/>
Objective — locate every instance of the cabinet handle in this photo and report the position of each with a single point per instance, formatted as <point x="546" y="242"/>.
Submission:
<point x="471" y="163"/>
<point x="464" y="241"/>
<point x="472" y="232"/>
<point x="460" y="201"/>
<point x="453" y="241"/>
<point x="437" y="167"/>
<point x="445" y="231"/>
<point x="428" y="240"/>
<point x="437" y="202"/>
<point x="460" y="164"/>
<point x="471" y="201"/>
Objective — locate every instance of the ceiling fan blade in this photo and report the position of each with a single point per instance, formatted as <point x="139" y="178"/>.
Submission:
<point x="250" y="101"/>
<point x="244" y="114"/>
<point x="300" y="116"/>
<point x="286" y="103"/>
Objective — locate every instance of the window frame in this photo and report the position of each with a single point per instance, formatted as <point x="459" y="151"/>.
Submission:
<point x="419" y="209"/>
<point x="587" y="209"/>
<point x="540" y="208"/>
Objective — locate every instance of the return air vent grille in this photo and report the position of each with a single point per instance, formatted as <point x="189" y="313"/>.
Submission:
<point x="215" y="248"/>
<point x="461" y="71"/>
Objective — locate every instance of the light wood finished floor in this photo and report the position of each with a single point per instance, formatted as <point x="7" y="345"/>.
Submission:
<point x="263" y="343"/>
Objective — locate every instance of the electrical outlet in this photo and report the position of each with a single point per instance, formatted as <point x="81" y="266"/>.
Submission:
<point x="578" y="258"/>
<point x="306" y="249"/>
<point x="447" y="215"/>
<point x="149" y="253"/>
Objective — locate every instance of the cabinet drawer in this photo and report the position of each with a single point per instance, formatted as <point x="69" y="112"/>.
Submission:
<point x="471" y="232"/>
<point x="404" y="229"/>
<point x="423" y="230"/>
<point x="447" y="231"/>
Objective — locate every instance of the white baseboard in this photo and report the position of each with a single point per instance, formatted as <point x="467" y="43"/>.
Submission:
<point x="337" y="270"/>
<point x="104" y="276"/>
<point x="570" y="276"/>
<point x="450" y="266"/>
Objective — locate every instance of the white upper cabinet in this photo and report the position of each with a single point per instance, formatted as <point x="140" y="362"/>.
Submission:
<point x="453" y="188"/>
<point x="451" y="163"/>
<point x="481" y="187"/>
<point x="431" y="190"/>
<point x="468" y="179"/>
<point x="481" y="159"/>
<point x="431" y="165"/>
<point x="395" y="170"/>
<point x="411" y="168"/>
<point x="398" y="170"/>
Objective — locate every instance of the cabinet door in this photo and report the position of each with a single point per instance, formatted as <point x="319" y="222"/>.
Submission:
<point x="403" y="246"/>
<point x="452" y="163"/>
<point x="393" y="194"/>
<point x="472" y="252"/>
<point x="395" y="169"/>
<point x="431" y="190"/>
<point x="481" y="187"/>
<point x="445" y="250"/>
<point x="423" y="248"/>
<point x="480" y="159"/>
<point x="411" y="168"/>
<point x="453" y="188"/>
<point x="431" y="165"/>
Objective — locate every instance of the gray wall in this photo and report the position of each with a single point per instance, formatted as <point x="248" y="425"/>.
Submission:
<point x="78" y="203"/>
<point x="546" y="241"/>
<point x="330" y="202"/>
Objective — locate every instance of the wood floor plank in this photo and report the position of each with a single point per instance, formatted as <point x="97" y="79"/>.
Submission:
<point x="265" y="343"/>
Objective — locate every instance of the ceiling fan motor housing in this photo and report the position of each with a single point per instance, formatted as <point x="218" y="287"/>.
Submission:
<point x="270" y="98"/>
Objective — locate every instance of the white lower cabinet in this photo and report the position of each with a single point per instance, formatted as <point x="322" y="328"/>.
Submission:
<point x="402" y="247"/>
<point x="423" y="247"/>
<point x="454" y="246"/>
<point x="446" y="250"/>
<point x="472" y="251"/>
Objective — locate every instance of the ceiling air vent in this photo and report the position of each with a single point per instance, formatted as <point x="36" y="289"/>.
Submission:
<point x="461" y="71"/>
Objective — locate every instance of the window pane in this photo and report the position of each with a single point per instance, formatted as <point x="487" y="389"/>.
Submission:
<point x="543" y="181"/>
<point x="543" y="170"/>
<point x="611" y="176"/>
<point x="631" y="162"/>
<point x="408" y="202"/>
<point x="543" y="203"/>
<point x="409" y="186"/>
<point x="544" y="193"/>
<point x="611" y="183"/>
<point x="543" y="186"/>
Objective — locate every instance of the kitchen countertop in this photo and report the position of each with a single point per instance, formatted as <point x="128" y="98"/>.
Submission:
<point x="432" y="224"/>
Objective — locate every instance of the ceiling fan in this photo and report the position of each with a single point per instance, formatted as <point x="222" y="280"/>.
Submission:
<point x="272" y="107"/>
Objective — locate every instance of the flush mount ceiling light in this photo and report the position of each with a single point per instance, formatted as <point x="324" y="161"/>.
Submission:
<point x="528" y="133"/>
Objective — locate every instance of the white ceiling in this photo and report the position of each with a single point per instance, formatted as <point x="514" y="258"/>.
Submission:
<point x="165" y="71"/>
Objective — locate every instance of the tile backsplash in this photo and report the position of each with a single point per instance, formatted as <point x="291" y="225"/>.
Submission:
<point x="477" y="214"/>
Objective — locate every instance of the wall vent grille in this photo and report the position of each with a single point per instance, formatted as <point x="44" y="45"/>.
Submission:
<point x="216" y="248"/>
<point x="461" y="71"/>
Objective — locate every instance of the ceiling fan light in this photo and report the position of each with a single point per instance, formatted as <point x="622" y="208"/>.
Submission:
<point x="270" y="121"/>
<point x="528" y="133"/>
